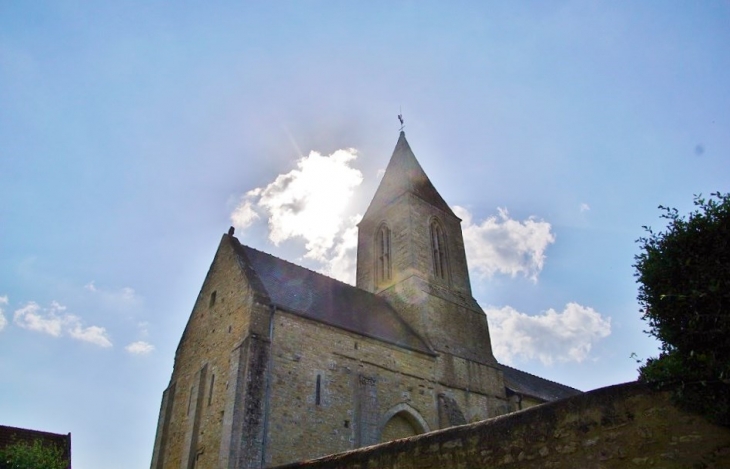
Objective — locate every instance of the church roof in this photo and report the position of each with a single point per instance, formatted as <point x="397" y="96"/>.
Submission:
<point x="315" y="296"/>
<point x="404" y="174"/>
<point x="521" y="382"/>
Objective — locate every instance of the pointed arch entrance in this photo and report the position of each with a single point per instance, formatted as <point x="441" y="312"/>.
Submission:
<point x="401" y="421"/>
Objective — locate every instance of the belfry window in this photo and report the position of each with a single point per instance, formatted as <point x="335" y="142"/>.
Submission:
<point x="438" y="249"/>
<point x="383" y="246"/>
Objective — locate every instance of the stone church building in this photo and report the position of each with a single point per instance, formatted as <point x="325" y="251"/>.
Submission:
<point x="278" y="363"/>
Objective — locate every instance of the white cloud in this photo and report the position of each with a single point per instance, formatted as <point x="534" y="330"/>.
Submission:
<point x="310" y="203"/>
<point x="92" y="334"/>
<point x="139" y="348"/>
<point x="3" y="321"/>
<point x="55" y="321"/>
<point x="501" y="244"/>
<point x="584" y="207"/>
<point x="244" y="215"/>
<point x="553" y="336"/>
<point x="342" y="263"/>
<point x="47" y="321"/>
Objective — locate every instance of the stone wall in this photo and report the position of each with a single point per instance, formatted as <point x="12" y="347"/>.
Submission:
<point x="616" y="427"/>
<point x="254" y="385"/>
<point x="440" y="310"/>
<point x="192" y="423"/>
<point x="332" y="390"/>
<point x="328" y="385"/>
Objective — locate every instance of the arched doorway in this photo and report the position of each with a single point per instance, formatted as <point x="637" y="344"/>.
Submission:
<point x="401" y="421"/>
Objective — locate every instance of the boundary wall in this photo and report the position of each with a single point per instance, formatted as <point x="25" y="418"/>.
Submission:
<point x="620" y="426"/>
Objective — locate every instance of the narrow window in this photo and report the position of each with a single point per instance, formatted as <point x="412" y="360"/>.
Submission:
<point x="212" y="299"/>
<point x="383" y="245"/>
<point x="438" y="248"/>
<point x="318" y="395"/>
<point x="190" y="399"/>
<point x="210" y="391"/>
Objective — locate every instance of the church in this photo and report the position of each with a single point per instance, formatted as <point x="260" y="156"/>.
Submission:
<point x="278" y="363"/>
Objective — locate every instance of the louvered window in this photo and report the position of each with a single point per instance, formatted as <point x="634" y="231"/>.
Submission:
<point x="438" y="247"/>
<point x="383" y="247"/>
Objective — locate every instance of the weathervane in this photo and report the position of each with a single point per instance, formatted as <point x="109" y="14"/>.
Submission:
<point x="400" y="118"/>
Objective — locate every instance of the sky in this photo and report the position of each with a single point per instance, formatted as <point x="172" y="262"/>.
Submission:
<point x="133" y="134"/>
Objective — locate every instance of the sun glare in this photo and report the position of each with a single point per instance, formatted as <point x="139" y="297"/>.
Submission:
<point x="308" y="202"/>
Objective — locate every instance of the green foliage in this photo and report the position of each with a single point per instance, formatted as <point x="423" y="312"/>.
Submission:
<point x="684" y="277"/>
<point x="23" y="455"/>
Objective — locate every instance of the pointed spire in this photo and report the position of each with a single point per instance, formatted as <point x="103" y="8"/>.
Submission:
<point x="404" y="174"/>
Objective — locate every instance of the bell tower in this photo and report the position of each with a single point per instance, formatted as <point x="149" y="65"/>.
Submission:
<point x="411" y="251"/>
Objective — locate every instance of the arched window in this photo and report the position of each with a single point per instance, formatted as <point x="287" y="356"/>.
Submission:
<point x="383" y="246"/>
<point x="399" y="426"/>
<point x="401" y="421"/>
<point x="438" y="250"/>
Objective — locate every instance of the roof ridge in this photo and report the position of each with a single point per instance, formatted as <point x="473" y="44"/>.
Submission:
<point x="296" y="265"/>
<point x="10" y="427"/>
<point x="345" y="290"/>
<point x="538" y="377"/>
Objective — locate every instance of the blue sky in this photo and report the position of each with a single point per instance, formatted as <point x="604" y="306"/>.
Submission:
<point x="132" y="134"/>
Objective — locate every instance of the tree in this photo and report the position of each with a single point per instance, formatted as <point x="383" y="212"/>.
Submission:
<point x="684" y="277"/>
<point x="24" y="455"/>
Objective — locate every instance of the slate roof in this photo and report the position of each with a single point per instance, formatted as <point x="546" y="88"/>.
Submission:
<point x="521" y="382"/>
<point x="405" y="174"/>
<point x="315" y="296"/>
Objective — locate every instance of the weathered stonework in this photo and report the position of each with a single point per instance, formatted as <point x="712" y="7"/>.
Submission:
<point x="611" y="428"/>
<point x="278" y="363"/>
<point x="194" y="404"/>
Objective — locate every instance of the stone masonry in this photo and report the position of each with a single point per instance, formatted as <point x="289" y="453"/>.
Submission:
<point x="624" y="426"/>
<point x="278" y="363"/>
